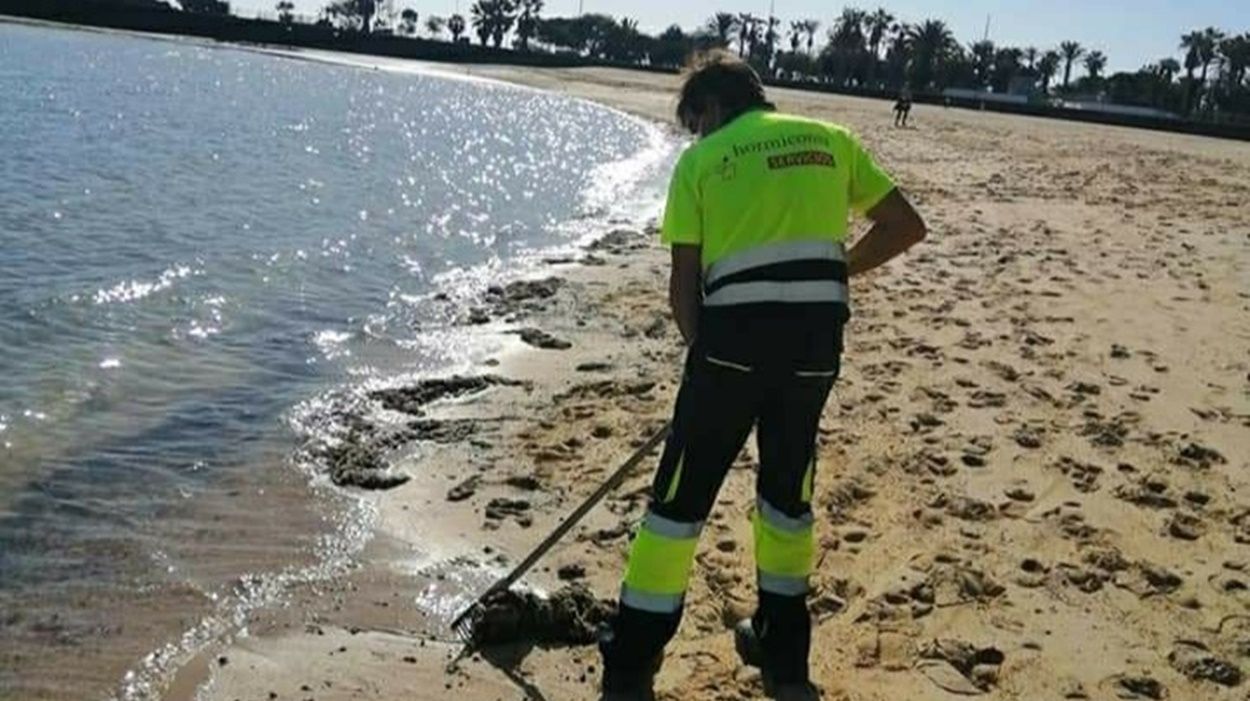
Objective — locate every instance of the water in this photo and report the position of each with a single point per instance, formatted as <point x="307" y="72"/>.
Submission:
<point x="194" y="243"/>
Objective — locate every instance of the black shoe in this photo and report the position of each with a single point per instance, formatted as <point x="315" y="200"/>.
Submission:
<point x="632" y="687"/>
<point x="751" y="652"/>
<point x="620" y="684"/>
<point x="747" y="643"/>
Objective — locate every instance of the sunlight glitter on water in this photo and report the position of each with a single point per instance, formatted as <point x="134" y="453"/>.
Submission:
<point x="243" y="245"/>
<point x="133" y="290"/>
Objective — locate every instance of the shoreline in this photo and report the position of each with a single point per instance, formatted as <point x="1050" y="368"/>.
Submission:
<point x="998" y="336"/>
<point x="241" y="30"/>
<point x="980" y="414"/>
<point x="525" y="288"/>
<point x="152" y="668"/>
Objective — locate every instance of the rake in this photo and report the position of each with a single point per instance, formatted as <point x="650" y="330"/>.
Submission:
<point x="464" y="623"/>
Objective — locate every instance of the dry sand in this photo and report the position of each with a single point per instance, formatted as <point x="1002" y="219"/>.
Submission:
<point x="1032" y="474"/>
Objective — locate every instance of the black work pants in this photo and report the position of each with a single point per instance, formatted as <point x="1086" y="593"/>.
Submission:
<point x="719" y="402"/>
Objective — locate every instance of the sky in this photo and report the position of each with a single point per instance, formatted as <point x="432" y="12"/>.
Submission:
<point x="1130" y="32"/>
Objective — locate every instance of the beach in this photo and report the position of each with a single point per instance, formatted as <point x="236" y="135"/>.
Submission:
<point x="1031" y="477"/>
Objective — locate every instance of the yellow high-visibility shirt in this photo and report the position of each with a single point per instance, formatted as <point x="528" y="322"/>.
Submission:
<point x="770" y="178"/>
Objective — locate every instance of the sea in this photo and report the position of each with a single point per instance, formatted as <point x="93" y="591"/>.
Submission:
<point x="198" y="244"/>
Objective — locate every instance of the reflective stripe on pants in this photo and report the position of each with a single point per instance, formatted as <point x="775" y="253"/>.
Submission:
<point x="659" y="564"/>
<point x="717" y="406"/>
<point x="783" y="549"/>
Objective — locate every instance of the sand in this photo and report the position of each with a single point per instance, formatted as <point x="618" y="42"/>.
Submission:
<point x="1032" y="478"/>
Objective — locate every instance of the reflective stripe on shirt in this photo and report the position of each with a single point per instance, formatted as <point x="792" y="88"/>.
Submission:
<point x="775" y="253"/>
<point x="800" y="292"/>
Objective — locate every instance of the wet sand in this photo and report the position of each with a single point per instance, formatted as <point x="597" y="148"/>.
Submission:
<point x="1032" y="473"/>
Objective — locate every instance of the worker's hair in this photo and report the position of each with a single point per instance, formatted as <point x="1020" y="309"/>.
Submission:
<point x="717" y="77"/>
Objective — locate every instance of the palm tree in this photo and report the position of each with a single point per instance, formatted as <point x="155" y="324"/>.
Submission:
<point x="483" y="20"/>
<point x="1236" y="53"/>
<point x="796" y="35"/>
<point x="848" y="30"/>
<point x="1203" y="49"/>
<point x="771" y="36"/>
<point x="408" y="21"/>
<point x="1071" y="51"/>
<point x="434" y="25"/>
<point x="1030" y="54"/>
<point x="527" y="22"/>
<point x="810" y="27"/>
<point x="982" y="61"/>
<point x="847" y="45"/>
<point x="1168" y="68"/>
<point x="746" y="33"/>
<point x="1095" y="61"/>
<point x="1190" y="44"/>
<point x="1006" y="67"/>
<point x="1207" y="49"/>
<point x="492" y="19"/>
<point x="722" y="25"/>
<point x="357" y="14"/>
<point x="878" y="23"/>
<point x="456" y="25"/>
<point x="898" y="53"/>
<point x="931" y="42"/>
<point x="623" y="42"/>
<point x="1047" y="66"/>
<point x="286" y="10"/>
<point x="504" y="19"/>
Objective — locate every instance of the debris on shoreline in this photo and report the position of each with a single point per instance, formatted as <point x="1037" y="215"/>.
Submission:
<point x="619" y="242"/>
<point x="356" y="461"/>
<point x="541" y="339"/>
<point x="356" y="457"/>
<point x="515" y="298"/>
<point x="570" y="616"/>
<point x="412" y="399"/>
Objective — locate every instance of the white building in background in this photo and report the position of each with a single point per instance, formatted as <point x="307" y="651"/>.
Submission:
<point x="1084" y="103"/>
<point x="1094" y="104"/>
<point x="985" y="96"/>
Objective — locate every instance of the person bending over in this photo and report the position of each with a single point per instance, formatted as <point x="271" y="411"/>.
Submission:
<point x="757" y="218"/>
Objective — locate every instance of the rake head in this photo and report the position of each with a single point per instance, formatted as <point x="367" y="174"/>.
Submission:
<point x="464" y="624"/>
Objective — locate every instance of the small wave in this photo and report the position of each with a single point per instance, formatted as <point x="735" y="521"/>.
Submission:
<point x="336" y="552"/>
<point x="132" y="290"/>
<point x="402" y="66"/>
<point x="609" y="181"/>
<point x="331" y="343"/>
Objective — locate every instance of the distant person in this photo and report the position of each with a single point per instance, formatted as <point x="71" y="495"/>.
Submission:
<point x="902" y="109"/>
<point x="757" y="218"/>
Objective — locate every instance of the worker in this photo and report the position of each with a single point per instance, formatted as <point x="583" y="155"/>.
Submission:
<point x="902" y="108"/>
<point x="757" y="219"/>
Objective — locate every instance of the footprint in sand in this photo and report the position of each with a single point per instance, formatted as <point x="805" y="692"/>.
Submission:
<point x="1196" y="662"/>
<point x="1030" y="437"/>
<point x="1186" y="526"/>
<point x="1198" y="456"/>
<point x="1067" y="517"/>
<point x="1084" y="476"/>
<point x="960" y="667"/>
<point x="1033" y="573"/>
<point x="964" y="507"/>
<point x="1241" y="527"/>
<point x="1136" y="686"/>
<point x="1150" y="492"/>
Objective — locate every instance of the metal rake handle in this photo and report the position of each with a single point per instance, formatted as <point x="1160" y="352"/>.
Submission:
<point x="566" y="525"/>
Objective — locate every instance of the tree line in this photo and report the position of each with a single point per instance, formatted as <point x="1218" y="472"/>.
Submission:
<point x="858" y="49"/>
